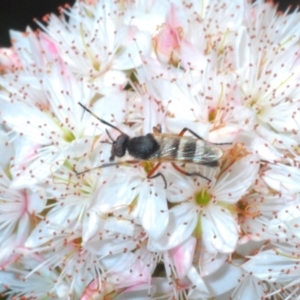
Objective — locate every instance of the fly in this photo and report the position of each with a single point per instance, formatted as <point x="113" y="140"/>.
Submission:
<point x="159" y="147"/>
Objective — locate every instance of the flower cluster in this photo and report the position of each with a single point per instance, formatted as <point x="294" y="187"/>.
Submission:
<point x="228" y="71"/>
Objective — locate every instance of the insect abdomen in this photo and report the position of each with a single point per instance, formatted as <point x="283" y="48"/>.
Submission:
<point x="187" y="149"/>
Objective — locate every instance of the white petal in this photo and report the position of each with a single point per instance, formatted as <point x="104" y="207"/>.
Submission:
<point x="249" y="245"/>
<point x="220" y="230"/>
<point x="39" y="169"/>
<point x="110" y="108"/>
<point x="36" y="200"/>
<point x="226" y="278"/>
<point x="29" y="121"/>
<point x="92" y="225"/>
<point x="113" y="80"/>
<point x="272" y="266"/>
<point x="21" y="42"/>
<point x="118" y="225"/>
<point x="282" y="178"/>
<point x="126" y="270"/>
<point x="139" y="292"/>
<point x="156" y="11"/>
<point x="153" y="210"/>
<point x="60" y="217"/>
<point x="6" y="149"/>
<point x="119" y="189"/>
<point x="250" y="288"/>
<point x="137" y="43"/>
<point x="23" y="229"/>
<point x="234" y="183"/>
<point x="281" y="117"/>
<point x="286" y="221"/>
<point x="5" y="277"/>
<point x="182" y="256"/>
<point x="182" y="222"/>
<point x="191" y="53"/>
<point x="210" y="263"/>
<point x="259" y="146"/>
<point x="8" y="59"/>
<point x="198" y="281"/>
<point x="179" y="186"/>
<point x="110" y="245"/>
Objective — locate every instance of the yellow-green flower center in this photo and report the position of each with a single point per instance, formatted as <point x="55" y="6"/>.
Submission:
<point x="202" y="198"/>
<point x="148" y="166"/>
<point x="212" y="115"/>
<point x="69" y="136"/>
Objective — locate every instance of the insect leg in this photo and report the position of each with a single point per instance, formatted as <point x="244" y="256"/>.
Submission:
<point x="189" y="174"/>
<point x="106" y="165"/>
<point x="101" y="120"/>
<point x="191" y="132"/>
<point x="151" y="176"/>
<point x="198" y="136"/>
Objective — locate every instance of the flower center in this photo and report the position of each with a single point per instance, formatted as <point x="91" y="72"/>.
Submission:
<point x="212" y="115"/>
<point x="202" y="198"/>
<point x="69" y="136"/>
<point x="77" y="242"/>
<point x="148" y="166"/>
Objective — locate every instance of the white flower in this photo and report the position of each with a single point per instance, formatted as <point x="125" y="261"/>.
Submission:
<point x="53" y="133"/>
<point x="100" y="44"/>
<point x="19" y="207"/>
<point x="43" y="283"/>
<point x="80" y="220"/>
<point x="284" y="260"/>
<point x="282" y="178"/>
<point x="204" y="208"/>
<point x="9" y="61"/>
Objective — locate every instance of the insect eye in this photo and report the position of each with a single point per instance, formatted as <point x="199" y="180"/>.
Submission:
<point x="120" y="145"/>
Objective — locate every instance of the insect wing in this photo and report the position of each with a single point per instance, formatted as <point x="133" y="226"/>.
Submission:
<point x="186" y="149"/>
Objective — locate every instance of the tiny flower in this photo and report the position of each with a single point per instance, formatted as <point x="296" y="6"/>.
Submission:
<point x="9" y="61"/>
<point x="284" y="267"/>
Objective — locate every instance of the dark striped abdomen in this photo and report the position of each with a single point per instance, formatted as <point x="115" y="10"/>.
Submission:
<point x="186" y="149"/>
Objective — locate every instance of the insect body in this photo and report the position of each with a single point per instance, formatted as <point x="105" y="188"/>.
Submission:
<point x="185" y="149"/>
<point x="158" y="147"/>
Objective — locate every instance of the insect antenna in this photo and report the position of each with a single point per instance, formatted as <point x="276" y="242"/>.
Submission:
<point x="109" y="135"/>
<point x="106" y="142"/>
<point x="101" y="120"/>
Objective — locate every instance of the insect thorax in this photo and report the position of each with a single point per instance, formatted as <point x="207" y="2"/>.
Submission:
<point x="142" y="147"/>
